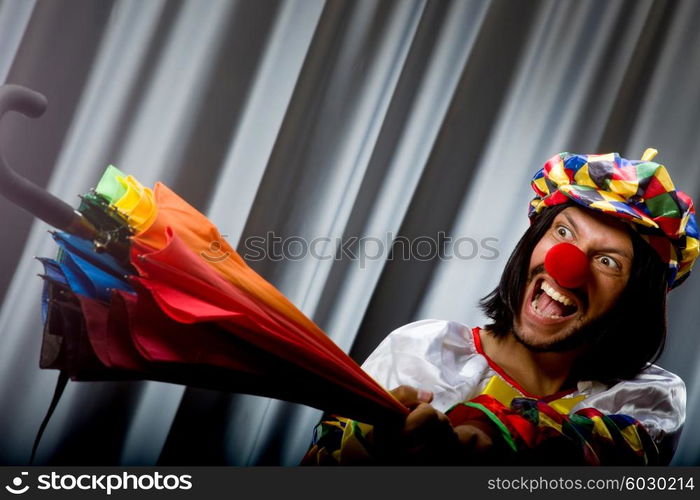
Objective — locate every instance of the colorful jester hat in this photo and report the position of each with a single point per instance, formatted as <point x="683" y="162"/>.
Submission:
<point x="640" y="192"/>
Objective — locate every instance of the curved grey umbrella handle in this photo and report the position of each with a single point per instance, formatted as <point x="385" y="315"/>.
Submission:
<point x="24" y="193"/>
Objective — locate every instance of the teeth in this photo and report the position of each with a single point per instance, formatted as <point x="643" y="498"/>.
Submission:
<point x="556" y="295"/>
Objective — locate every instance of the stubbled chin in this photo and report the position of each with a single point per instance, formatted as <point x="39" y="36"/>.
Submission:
<point x="548" y="338"/>
<point x="528" y="337"/>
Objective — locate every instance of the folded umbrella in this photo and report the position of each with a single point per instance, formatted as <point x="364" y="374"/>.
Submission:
<point x="133" y="294"/>
<point x="124" y="339"/>
<point x="251" y="308"/>
<point x="174" y="234"/>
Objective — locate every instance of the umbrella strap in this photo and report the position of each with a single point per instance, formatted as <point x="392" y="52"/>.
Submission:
<point x="58" y="391"/>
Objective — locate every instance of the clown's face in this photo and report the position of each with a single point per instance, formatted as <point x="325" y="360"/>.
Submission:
<point x="549" y="313"/>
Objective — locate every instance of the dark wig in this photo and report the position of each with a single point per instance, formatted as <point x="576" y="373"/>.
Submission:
<point x="619" y="344"/>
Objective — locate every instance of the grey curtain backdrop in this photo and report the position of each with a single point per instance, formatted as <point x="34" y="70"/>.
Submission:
<point x="403" y="120"/>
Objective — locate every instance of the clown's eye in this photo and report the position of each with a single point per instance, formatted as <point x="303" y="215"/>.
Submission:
<point x="564" y="232"/>
<point x="609" y="262"/>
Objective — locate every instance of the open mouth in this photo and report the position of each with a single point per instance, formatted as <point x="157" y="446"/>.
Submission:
<point x="549" y="303"/>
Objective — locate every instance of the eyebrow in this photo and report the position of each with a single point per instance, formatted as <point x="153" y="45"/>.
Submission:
<point x="617" y="251"/>
<point x="571" y="221"/>
<point x="614" y="250"/>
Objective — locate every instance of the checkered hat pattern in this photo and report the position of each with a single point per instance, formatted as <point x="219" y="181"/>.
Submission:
<point x="637" y="191"/>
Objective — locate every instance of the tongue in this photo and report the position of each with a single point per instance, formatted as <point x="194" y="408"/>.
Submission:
<point x="547" y="306"/>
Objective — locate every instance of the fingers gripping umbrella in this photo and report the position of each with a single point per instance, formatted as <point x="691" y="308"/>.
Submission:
<point x="133" y="294"/>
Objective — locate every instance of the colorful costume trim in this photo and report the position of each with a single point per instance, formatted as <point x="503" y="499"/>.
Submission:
<point x="589" y="436"/>
<point x="341" y="441"/>
<point x="532" y="432"/>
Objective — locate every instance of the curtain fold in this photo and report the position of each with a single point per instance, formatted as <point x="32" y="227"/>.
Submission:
<point x="14" y="16"/>
<point x="378" y="122"/>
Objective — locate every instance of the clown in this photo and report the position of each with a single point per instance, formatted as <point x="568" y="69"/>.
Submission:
<point x="564" y="372"/>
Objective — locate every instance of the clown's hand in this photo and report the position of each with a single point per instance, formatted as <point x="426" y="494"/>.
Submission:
<point x="478" y="443"/>
<point x="424" y="437"/>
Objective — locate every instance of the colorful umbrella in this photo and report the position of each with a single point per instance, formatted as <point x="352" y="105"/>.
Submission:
<point x="134" y="294"/>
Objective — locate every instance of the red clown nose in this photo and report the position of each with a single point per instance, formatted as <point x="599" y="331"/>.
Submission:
<point x="567" y="265"/>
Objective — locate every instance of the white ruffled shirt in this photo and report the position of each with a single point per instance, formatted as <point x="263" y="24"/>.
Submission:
<point x="444" y="358"/>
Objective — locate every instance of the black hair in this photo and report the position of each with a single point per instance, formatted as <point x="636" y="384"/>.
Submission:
<point x="620" y="343"/>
